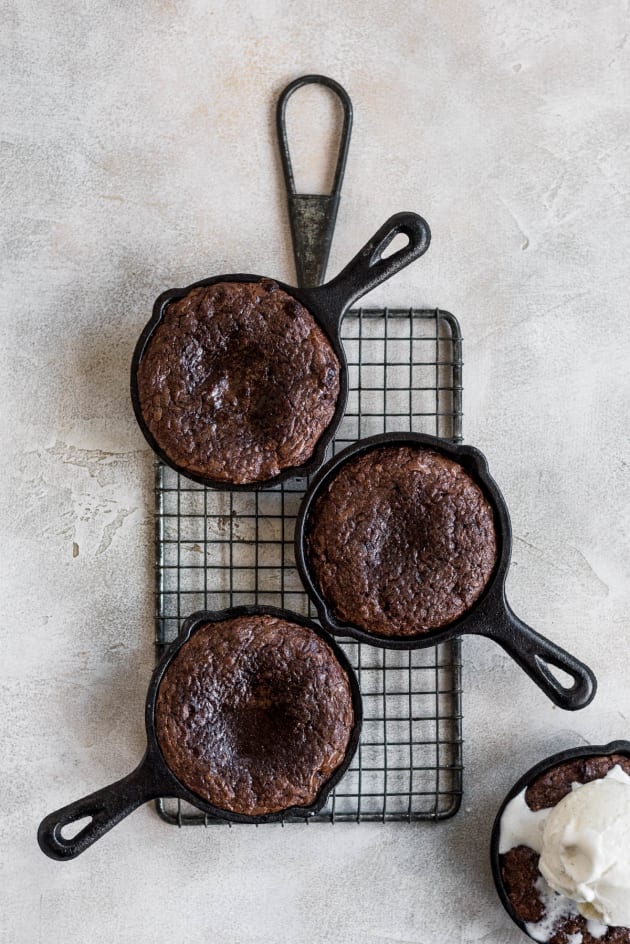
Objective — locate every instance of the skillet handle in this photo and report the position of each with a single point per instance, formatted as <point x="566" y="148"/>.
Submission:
<point x="105" y="807"/>
<point x="536" y="655"/>
<point x="368" y="268"/>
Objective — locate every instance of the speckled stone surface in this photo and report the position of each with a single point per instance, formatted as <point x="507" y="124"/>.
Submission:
<point x="138" y="153"/>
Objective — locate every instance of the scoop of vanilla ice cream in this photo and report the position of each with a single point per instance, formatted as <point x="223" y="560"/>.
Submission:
<point x="586" y="849"/>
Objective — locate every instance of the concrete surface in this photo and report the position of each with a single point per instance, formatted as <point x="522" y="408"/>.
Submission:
<point x="139" y="153"/>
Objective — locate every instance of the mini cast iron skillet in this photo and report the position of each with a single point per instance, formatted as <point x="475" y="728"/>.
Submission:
<point x="153" y="778"/>
<point x="588" y="751"/>
<point x="327" y="304"/>
<point x="490" y="615"/>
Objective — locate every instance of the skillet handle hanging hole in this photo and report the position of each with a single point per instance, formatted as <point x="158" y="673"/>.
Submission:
<point x="373" y="265"/>
<point x="539" y="657"/>
<point x="396" y="243"/>
<point x="71" y="830"/>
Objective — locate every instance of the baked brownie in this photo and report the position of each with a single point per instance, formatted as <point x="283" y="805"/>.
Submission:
<point x="519" y="866"/>
<point x="238" y="382"/>
<point x="254" y="714"/>
<point x="402" y="541"/>
<point x="548" y="789"/>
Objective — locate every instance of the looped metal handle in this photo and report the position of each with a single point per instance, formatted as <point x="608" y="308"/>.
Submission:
<point x="313" y="216"/>
<point x="283" y="141"/>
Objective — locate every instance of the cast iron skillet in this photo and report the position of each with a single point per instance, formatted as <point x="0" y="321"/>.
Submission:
<point x="491" y="614"/>
<point x="153" y="778"/>
<point x="328" y="304"/>
<point x="589" y="750"/>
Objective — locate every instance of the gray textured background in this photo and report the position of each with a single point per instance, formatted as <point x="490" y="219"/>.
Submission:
<point x="138" y="153"/>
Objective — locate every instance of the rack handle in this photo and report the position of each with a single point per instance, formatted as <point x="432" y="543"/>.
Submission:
<point x="281" y="125"/>
<point x="312" y="216"/>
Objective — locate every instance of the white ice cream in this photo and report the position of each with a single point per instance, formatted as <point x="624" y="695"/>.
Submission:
<point x="584" y="848"/>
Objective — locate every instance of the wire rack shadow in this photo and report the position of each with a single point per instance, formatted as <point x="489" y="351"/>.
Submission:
<point x="223" y="549"/>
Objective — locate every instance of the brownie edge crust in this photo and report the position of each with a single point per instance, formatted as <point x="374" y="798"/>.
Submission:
<point x="519" y="866"/>
<point x="402" y="541"/>
<point x="254" y="714"/>
<point x="237" y="382"/>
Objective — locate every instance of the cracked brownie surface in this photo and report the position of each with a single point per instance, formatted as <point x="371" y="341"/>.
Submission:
<point x="237" y="382"/>
<point x="254" y="714"/>
<point x="401" y="541"/>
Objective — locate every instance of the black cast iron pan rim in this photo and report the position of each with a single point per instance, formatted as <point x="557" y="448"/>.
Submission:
<point x="542" y="767"/>
<point x="490" y="615"/>
<point x="327" y="304"/>
<point x="153" y="778"/>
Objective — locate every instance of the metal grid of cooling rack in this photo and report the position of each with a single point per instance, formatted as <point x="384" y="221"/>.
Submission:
<point x="220" y="549"/>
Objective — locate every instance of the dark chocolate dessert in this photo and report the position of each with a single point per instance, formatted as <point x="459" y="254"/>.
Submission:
<point x="254" y="714"/>
<point x="402" y="541"/>
<point x="237" y="382"/>
<point x="532" y="900"/>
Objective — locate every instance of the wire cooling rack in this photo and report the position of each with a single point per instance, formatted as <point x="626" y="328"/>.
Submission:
<point x="220" y="549"/>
